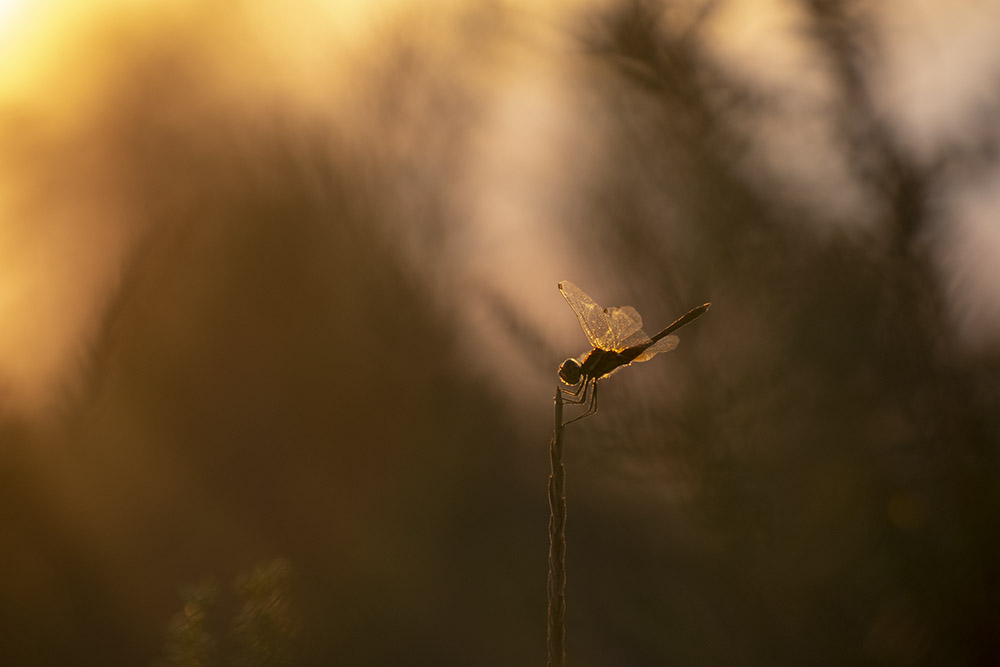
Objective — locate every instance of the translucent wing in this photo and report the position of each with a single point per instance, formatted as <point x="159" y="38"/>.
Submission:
<point x="626" y="327"/>
<point x="596" y="321"/>
<point x="633" y="335"/>
<point x="614" y="328"/>
<point x="662" y="345"/>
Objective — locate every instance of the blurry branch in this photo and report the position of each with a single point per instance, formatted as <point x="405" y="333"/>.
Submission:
<point x="632" y="38"/>
<point x="680" y="142"/>
<point x="902" y="185"/>
<point x="901" y="182"/>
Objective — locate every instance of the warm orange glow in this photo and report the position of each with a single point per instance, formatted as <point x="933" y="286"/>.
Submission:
<point x="279" y="279"/>
<point x="57" y="278"/>
<point x="64" y="237"/>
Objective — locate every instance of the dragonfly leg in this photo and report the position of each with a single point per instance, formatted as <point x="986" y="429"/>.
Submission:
<point x="592" y="408"/>
<point x="576" y="396"/>
<point x="593" y="403"/>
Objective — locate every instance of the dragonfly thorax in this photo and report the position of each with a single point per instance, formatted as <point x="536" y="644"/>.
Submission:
<point x="597" y="364"/>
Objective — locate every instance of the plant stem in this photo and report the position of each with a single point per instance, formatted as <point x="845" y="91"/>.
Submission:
<point x="556" y="647"/>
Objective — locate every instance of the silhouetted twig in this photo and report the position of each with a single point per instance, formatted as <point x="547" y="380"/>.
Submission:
<point x="557" y="544"/>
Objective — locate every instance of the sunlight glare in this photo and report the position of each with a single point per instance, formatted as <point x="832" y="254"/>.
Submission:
<point x="9" y="10"/>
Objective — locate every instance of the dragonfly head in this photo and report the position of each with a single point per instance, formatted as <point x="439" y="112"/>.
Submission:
<point x="570" y="371"/>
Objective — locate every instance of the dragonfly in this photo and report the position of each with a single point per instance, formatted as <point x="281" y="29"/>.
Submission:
<point x="618" y="340"/>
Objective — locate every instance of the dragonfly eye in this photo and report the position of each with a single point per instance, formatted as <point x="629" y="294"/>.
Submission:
<point x="570" y="372"/>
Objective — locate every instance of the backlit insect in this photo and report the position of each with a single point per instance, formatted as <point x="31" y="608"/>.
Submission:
<point x="618" y="340"/>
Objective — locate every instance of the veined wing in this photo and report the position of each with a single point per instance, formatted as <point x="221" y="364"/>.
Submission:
<point x="614" y="328"/>
<point x="630" y="336"/>
<point x="626" y="328"/>
<point x="663" y="345"/>
<point x="594" y="320"/>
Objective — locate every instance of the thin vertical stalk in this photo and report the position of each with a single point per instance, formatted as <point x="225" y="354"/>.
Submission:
<point x="556" y="647"/>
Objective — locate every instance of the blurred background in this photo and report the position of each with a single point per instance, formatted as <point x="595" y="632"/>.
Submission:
<point x="279" y="329"/>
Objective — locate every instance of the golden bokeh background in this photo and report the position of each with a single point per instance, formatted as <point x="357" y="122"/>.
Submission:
<point x="279" y="330"/>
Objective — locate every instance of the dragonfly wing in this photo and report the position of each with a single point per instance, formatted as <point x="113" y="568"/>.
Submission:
<point x="594" y="319"/>
<point x="626" y="327"/>
<point x="662" y="345"/>
<point x="633" y="336"/>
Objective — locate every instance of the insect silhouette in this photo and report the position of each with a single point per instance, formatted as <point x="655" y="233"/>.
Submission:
<point x="618" y="340"/>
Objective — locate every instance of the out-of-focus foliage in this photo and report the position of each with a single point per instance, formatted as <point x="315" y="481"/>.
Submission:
<point x="809" y="479"/>
<point x="190" y="642"/>
<point x="262" y="627"/>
